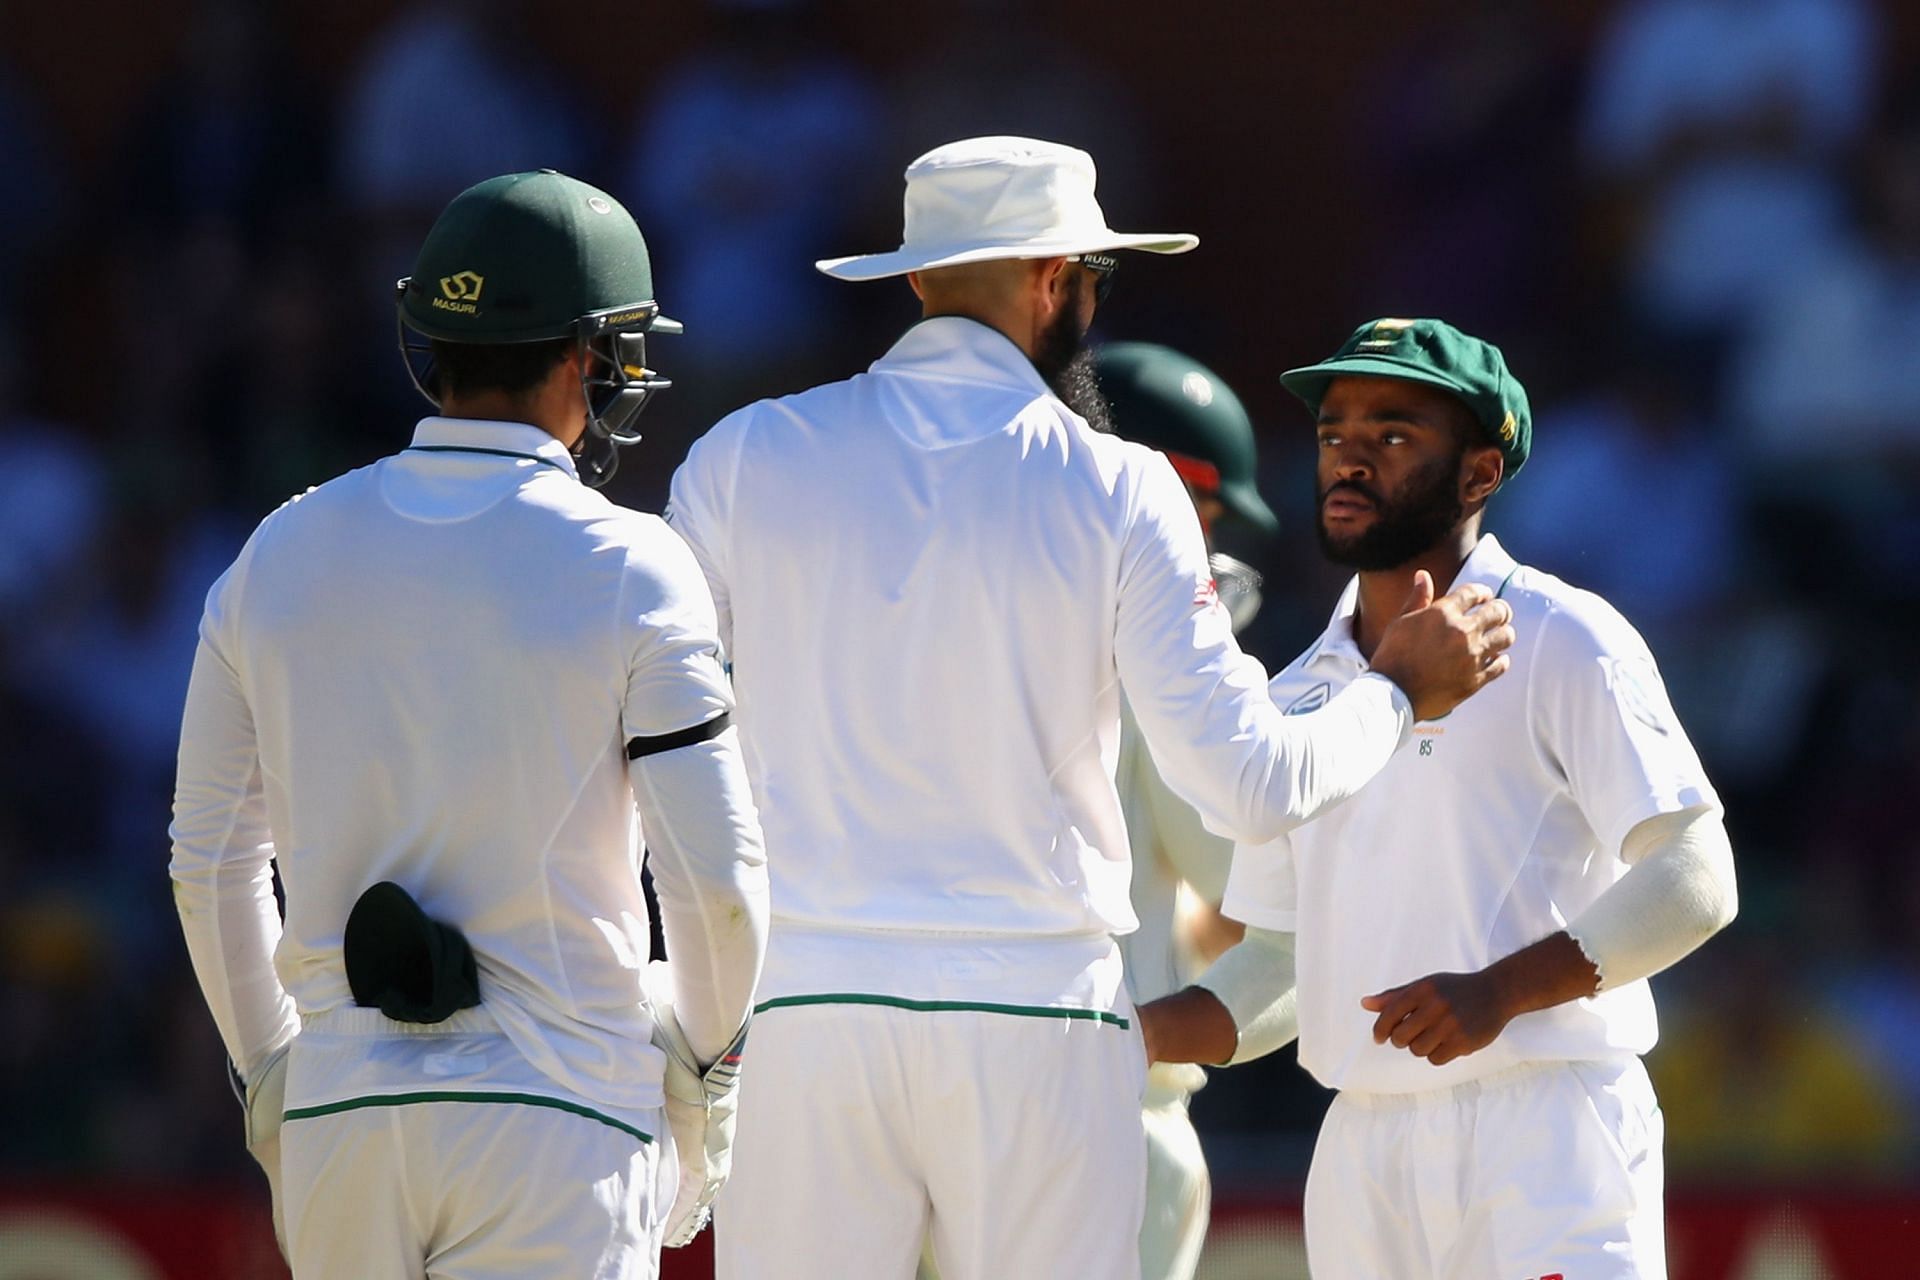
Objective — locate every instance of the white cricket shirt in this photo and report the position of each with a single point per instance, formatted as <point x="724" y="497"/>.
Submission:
<point x="426" y="671"/>
<point x="1500" y="824"/>
<point x="932" y="579"/>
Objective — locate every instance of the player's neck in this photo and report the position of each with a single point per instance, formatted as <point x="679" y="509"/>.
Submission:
<point x="557" y="418"/>
<point x="1005" y="319"/>
<point x="1384" y="591"/>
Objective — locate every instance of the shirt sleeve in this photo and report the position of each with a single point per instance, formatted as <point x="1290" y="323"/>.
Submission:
<point x="700" y="507"/>
<point x="1606" y="724"/>
<point x="222" y="867"/>
<point x="696" y="809"/>
<point x="1202" y="704"/>
<point x="675" y="680"/>
<point x="710" y="874"/>
<point x="1261" y="890"/>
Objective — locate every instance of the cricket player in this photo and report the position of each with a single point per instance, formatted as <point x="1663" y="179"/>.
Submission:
<point x="1180" y="408"/>
<point x="432" y="692"/>
<point x="1463" y="947"/>
<point x="933" y="581"/>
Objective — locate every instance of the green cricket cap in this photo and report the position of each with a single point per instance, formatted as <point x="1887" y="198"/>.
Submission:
<point x="1436" y="353"/>
<point x="1173" y="403"/>
<point x="523" y="257"/>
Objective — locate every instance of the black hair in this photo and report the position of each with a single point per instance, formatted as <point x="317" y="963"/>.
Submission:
<point x="474" y="368"/>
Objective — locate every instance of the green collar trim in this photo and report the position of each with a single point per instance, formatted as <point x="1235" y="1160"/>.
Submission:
<point x="947" y="1006"/>
<point x="408" y="1099"/>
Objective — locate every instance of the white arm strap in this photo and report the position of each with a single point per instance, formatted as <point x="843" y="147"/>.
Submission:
<point x="1678" y="892"/>
<point x="1254" y="981"/>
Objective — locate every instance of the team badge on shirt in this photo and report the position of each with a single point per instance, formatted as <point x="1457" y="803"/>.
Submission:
<point x="1633" y="681"/>
<point x="1312" y="700"/>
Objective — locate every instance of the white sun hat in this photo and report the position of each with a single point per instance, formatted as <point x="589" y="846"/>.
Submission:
<point x="983" y="199"/>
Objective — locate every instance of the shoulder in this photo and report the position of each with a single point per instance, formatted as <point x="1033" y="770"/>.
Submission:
<point x="1571" y="623"/>
<point x="718" y="442"/>
<point x="291" y="530"/>
<point x="1581" y="646"/>
<point x="640" y="533"/>
<point x="1121" y="455"/>
<point x="766" y="423"/>
<point x="659" y="565"/>
<point x="316" y="504"/>
<point x="1141" y="473"/>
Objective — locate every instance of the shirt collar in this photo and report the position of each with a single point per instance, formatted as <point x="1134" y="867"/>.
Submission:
<point x="1488" y="564"/>
<point x="962" y="350"/>
<point x="486" y="436"/>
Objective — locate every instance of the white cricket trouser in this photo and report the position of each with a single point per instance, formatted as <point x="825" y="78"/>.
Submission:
<point x="1179" y="1200"/>
<point x="1014" y="1141"/>
<point x="1173" y="1227"/>
<point x="473" y="1191"/>
<point x="1543" y="1170"/>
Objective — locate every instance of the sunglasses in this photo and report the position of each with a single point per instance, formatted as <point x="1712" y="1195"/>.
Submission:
<point x="1103" y="266"/>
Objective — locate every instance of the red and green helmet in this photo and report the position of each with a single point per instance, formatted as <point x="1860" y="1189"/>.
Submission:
<point x="1173" y="403"/>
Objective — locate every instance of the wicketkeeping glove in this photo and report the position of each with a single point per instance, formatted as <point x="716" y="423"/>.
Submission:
<point x="700" y="1111"/>
<point x="265" y="1101"/>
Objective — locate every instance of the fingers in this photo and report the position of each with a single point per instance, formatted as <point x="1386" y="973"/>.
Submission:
<point x="1422" y="594"/>
<point x="1436" y="1033"/>
<point x="1496" y="636"/>
<point x="1394" y="1006"/>
<point x="1471" y="596"/>
<point x="1418" y="1018"/>
<point x="1491" y="612"/>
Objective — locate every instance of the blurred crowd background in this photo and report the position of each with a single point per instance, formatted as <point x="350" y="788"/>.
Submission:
<point x="1693" y="225"/>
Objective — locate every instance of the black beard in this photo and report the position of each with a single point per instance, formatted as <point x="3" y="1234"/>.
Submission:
<point x="1067" y="366"/>
<point x="1079" y="389"/>
<point x="1426" y="511"/>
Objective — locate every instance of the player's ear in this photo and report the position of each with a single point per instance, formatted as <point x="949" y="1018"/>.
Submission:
<point x="1481" y="471"/>
<point x="1055" y="281"/>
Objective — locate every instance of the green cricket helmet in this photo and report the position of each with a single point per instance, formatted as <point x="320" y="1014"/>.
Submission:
<point x="1173" y="403"/>
<point x="533" y="257"/>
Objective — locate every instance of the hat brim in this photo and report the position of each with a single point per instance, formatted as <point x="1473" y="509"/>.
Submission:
<point x="879" y="266"/>
<point x="1245" y="502"/>
<point x="1310" y="382"/>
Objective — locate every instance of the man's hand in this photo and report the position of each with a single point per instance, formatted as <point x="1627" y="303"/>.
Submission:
<point x="700" y="1106"/>
<point x="1191" y="1025"/>
<point x="1442" y="652"/>
<point x="1441" y="1017"/>
<point x="264" y="1101"/>
<point x="1444" y="1016"/>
